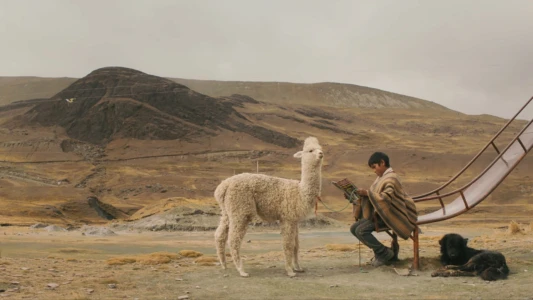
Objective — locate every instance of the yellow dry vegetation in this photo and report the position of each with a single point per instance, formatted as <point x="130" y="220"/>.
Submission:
<point x="156" y="258"/>
<point x="341" y="247"/>
<point x="206" y="261"/>
<point x="514" y="228"/>
<point x="190" y="253"/>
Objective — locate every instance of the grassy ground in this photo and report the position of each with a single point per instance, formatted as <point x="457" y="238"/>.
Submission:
<point x="156" y="265"/>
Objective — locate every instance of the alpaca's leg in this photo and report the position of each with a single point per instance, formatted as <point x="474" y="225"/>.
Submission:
<point x="237" y="230"/>
<point x="287" y="231"/>
<point x="295" y="263"/>
<point x="221" y="237"/>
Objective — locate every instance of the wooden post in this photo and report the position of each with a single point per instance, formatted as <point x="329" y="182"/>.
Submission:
<point x="416" y="254"/>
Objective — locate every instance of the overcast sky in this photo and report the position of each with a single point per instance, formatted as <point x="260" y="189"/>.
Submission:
<point x="472" y="56"/>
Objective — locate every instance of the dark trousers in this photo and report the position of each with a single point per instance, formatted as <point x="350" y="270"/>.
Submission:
<point x="362" y="230"/>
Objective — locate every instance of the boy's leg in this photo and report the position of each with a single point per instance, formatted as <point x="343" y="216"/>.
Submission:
<point x="363" y="229"/>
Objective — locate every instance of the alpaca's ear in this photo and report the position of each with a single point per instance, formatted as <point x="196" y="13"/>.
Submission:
<point x="299" y="154"/>
<point x="465" y="241"/>
<point x="441" y="240"/>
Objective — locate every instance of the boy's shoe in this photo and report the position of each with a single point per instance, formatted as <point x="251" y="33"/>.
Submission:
<point x="385" y="259"/>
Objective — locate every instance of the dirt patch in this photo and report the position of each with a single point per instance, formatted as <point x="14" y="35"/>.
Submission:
<point x="91" y="209"/>
<point x="333" y="270"/>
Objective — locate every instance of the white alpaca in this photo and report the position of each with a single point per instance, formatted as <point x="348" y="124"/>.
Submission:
<point x="243" y="196"/>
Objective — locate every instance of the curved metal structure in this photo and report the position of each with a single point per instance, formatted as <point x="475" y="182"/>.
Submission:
<point x="471" y="194"/>
<point x="477" y="190"/>
<point x="491" y="142"/>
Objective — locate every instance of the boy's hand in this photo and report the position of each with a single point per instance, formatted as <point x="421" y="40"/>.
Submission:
<point x="362" y="192"/>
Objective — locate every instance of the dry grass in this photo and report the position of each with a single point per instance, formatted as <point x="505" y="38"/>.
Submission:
<point x="206" y="261"/>
<point x="341" y="247"/>
<point x="156" y="258"/>
<point x="514" y="228"/>
<point x="190" y="253"/>
<point x="117" y="261"/>
<point x="75" y="250"/>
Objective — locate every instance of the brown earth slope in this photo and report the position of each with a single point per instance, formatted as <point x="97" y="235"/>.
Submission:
<point x="132" y="140"/>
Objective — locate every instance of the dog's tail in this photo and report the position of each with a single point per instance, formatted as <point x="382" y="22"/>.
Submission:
<point x="493" y="273"/>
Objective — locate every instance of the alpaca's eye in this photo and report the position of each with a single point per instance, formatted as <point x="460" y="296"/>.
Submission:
<point x="310" y="150"/>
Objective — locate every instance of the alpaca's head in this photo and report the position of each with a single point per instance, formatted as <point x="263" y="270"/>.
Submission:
<point x="312" y="152"/>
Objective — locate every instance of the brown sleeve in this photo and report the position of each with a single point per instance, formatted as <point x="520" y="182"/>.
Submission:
<point x="356" y="210"/>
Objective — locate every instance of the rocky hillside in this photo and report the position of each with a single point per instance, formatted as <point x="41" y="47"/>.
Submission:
<point x="113" y="103"/>
<point x="322" y="94"/>
<point x="132" y="140"/>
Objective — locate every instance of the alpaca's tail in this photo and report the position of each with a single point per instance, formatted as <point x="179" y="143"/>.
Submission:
<point x="220" y="192"/>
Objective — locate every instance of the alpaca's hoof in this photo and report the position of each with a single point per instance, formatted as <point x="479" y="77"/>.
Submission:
<point x="244" y="274"/>
<point x="300" y="270"/>
<point x="291" y="274"/>
<point x="223" y="267"/>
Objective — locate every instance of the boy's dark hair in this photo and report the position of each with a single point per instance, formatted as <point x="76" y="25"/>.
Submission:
<point x="377" y="157"/>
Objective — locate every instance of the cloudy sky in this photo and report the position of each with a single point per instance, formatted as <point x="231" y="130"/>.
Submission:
<point x="472" y="56"/>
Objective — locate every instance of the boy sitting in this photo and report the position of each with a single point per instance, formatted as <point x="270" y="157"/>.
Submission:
<point x="393" y="208"/>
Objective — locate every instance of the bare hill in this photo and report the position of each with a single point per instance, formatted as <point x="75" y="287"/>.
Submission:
<point x="133" y="140"/>
<point x="112" y="103"/>
<point x="321" y="94"/>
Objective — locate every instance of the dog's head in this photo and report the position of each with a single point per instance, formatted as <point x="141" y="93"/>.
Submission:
<point x="452" y="245"/>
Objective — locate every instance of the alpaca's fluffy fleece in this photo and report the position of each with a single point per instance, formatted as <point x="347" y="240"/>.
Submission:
<point x="243" y="196"/>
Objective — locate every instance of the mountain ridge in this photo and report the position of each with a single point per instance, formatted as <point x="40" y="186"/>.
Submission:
<point x="320" y="94"/>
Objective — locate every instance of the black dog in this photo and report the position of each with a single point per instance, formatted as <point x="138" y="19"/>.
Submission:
<point x="454" y="251"/>
<point x="460" y="260"/>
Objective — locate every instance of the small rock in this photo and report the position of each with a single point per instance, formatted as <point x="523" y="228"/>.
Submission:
<point x="179" y="279"/>
<point x="89" y="291"/>
<point x="225" y="287"/>
<point x="14" y="282"/>
<point x="24" y="268"/>
<point x="197" y="286"/>
<point x="112" y="286"/>
<point x="225" y="275"/>
<point x="249" y="241"/>
<point x="183" y="297"/>
<point x="52" y="286"/>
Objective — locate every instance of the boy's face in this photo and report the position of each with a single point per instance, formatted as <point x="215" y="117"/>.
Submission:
<point x="379" y="169"/>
